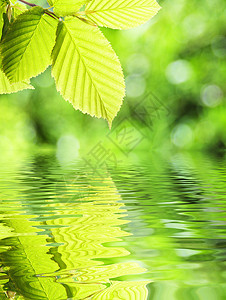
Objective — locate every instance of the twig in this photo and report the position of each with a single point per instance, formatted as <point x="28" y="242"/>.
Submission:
<point x="27" y="3"/>
<point x="51" y="14"/>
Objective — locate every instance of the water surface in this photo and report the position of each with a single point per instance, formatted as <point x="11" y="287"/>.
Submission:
<point x="148" y="229"/>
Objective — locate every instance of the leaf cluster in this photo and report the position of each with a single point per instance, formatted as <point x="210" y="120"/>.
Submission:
<point x="66" y="36"/>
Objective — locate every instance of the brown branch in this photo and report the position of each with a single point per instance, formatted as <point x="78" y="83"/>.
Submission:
<point x="27" y="3"/>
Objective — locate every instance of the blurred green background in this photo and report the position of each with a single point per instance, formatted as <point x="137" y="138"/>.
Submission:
<point x="174" y="67"/>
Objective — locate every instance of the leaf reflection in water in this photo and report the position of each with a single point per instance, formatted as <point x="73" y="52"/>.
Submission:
<point x="67" y="263"/>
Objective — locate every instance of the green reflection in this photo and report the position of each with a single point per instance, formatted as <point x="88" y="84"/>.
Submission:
<point x="65" y="262"/>
<point x="66" y="234"/>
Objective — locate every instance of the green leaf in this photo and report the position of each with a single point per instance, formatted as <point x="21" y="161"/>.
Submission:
<point x="3" y="4"/>
<point x="50" y="2"/>
<point x="27" y="46"/>
<point x="5" y="25"/>
<point x="67" y="7"/>
<point x="1" y="22"/>
<point x="18" y="9"/>
<point x="7" y="88"/>
<point x="86" y="69"/>
<point x="121" y="14"/>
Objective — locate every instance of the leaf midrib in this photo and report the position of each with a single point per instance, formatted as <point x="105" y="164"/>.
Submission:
<point x="81" y="58"/>
<point x="22" y="55"/>
<point x="117" y="9"/>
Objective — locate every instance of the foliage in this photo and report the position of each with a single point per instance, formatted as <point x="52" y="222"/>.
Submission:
<point x="86" y="69"/>
<point x="179" y="56"/>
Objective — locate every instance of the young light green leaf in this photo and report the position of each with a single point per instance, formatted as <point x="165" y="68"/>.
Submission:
<point x="3" y="4"/>
<point x="18" y="9"/>
<point x="7" y="88"/>
<point x="27" y="46"/>
<point x="50" y="2"/>
<point x="86" y="69"/>
<point x="1" y="22"/>
<point x="121" y="14"/>
<point x="67" y="7"/>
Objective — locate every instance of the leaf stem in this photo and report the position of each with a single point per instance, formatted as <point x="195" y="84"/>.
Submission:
<point x="51" y="14"/>
<point x="28" y="3"/>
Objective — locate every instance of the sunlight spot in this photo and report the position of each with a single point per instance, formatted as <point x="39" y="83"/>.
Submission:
<point x="211" y="95"/>
<point x="178" y="71"/>
<point x="138" y="64"/>
<point x="67" y="149"/>
<point x="194" y="25"/>
<point x="135" y="85"/>
<point x="182" y="135"/>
